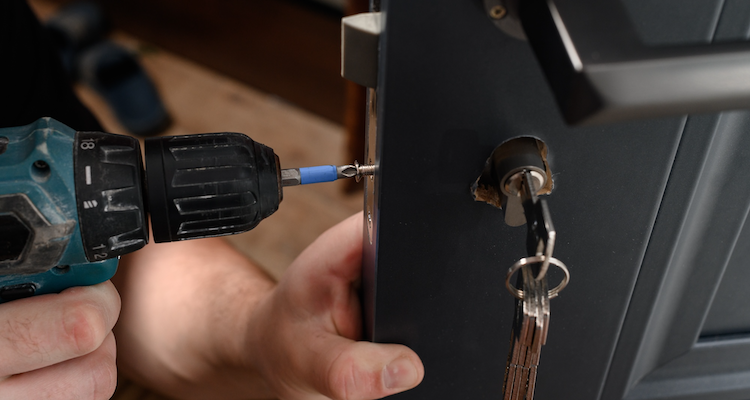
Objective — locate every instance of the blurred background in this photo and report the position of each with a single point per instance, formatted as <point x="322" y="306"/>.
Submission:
<point x="266" y="68"/>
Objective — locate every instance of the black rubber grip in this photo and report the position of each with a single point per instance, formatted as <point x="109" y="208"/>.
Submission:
<point x="209" y="185"/>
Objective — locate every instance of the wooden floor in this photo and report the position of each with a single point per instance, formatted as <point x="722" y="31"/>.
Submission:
<point x="288" y="47"/>
<point x="201" y="100"/>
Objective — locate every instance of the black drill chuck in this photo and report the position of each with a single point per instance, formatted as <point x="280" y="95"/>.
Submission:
<point x="194" y="186"/>
<point x="209" y="185"/>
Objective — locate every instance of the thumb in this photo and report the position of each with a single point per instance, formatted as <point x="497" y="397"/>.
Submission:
<point x="364" y="370"/>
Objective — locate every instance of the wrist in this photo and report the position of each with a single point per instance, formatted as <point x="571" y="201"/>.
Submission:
<point x="186" y="308"/>
<point x="240" y="339"/>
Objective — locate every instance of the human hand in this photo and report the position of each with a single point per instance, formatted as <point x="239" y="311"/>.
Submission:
<point x="59" y="346"/>
<point x="302" y="337"/>
<point x="201" y="321"/>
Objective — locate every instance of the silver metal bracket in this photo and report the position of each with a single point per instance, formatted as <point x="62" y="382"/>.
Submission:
<point x="360" y="44"/>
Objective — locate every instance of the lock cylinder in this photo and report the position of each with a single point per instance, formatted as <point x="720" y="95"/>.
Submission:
<point x="511" y="159"/>
<point x="500" y="182"/>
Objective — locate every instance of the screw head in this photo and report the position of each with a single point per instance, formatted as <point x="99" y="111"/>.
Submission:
<point x="498" y="12"/>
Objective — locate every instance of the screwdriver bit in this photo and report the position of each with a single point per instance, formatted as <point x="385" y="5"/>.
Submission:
<point x="324" y="173"/>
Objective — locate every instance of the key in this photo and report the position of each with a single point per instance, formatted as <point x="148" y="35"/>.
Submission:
<point x="519" y="338"/>
<point x="541" y="308"/>
<point x="531" y="321"/>
<point x="528" y="336"/>
<point x="541" y="234"/>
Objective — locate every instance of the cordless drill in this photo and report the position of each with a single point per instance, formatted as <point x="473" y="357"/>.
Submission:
<point x="72" y="202"/>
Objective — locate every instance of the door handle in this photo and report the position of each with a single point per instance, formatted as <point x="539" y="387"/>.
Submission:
<point x="601" y="72"/>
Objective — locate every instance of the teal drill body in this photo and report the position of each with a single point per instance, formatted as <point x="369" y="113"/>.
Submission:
<point x="42" y="250"/>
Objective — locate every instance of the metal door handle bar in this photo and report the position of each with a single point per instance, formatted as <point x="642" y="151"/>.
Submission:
<point x="601" y="72"/>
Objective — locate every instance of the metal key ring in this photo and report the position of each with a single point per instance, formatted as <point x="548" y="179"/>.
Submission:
<point x="533" y="260"/>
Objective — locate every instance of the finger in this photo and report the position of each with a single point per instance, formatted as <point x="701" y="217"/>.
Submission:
<point x="93" y="376"/>
<point x="338" y="251"/>
<point x="321" y="279"/>
<point x="363" y="370"/>
<point x="40" y="331"/>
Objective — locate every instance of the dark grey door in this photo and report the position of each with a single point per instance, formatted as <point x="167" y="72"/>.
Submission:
<point x="649" y="214"/>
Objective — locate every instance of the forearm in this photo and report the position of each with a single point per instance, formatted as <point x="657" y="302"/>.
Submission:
<point x="186" y="307"/>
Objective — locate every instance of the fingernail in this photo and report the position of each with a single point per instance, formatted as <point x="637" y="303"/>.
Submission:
<point x="400" y="374"/>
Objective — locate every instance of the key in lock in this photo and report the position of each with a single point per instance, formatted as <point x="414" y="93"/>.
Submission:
<point x="515" y="174"/>
<point x="501" y="181"/>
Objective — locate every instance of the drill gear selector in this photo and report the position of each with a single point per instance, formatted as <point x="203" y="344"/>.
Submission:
<point x="72" y="202"/>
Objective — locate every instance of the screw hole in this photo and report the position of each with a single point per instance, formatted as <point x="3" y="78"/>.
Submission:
<point x="40" y="171"/>
<point x="61" y="269"/>
<point x="498" y="12"/>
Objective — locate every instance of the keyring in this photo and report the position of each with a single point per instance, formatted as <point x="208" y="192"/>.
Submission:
<point x="533" y="260"/>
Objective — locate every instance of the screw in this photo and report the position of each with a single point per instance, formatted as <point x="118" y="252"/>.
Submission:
<point x="40" y="164"/>
<point x="498" y="12"/>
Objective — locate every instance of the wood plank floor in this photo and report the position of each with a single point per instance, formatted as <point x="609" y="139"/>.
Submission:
<point x="288" y="47"/>
<point x="201" y="100"/>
